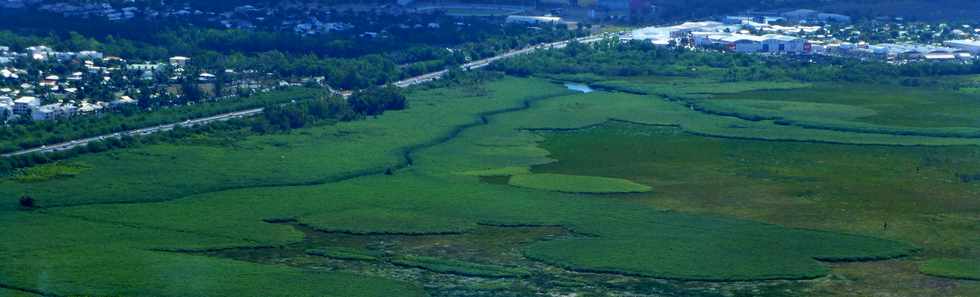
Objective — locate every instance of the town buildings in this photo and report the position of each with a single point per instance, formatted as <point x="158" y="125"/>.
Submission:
<point x="972" y="46"/>
<point x="746" y="43"/>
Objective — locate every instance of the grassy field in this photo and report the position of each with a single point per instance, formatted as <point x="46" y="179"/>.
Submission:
<point x="917" y="107"/>
<point x="910" y="194"/>
<point x="306" y="156"/>
<point x="968" y="269"/>
<point x="49" y="171"/>
<point x="331" y="179"/>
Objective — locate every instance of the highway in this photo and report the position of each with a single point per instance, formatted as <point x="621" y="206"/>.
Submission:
<point x="246" y="113"/>
<point x="486" y="62"/>
<point x="136" y="132"/>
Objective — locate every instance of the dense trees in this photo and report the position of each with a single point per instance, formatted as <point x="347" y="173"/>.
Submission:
<point x="411" y="45"/>
<point x="302" y="114"/>
<point x="374" y="101"/>
<point x="369" y="102"/>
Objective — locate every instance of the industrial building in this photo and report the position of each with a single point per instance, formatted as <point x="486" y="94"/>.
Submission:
<point x="745" y="43"/>
<point x="972" y="46"/>
<point x="664" y="35"/>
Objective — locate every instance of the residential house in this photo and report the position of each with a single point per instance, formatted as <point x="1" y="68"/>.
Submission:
<point x="24" y="106"/>
<point x="53" y="111"/>
<point x="90" y="55"/>
<point x="179" y="61"/>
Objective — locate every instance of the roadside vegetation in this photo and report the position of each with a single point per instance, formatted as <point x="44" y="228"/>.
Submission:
<point x="35" y="134"/>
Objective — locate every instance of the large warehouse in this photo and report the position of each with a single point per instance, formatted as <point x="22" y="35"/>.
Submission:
<point x="972" y="46"/>
<point x="744" y="43"/>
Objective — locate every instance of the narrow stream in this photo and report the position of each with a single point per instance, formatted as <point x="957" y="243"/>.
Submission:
<point x="579" y="87"/>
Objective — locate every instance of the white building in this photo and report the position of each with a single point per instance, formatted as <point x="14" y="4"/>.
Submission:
<point x="663" y="35"/>
<point x="26" y="105"/>
<point x="123" y="101"/>
<point x="972" y="46"/>
<point x="144" y="67"/>
<point x="745" y="43"/>
<point x="915" y="51"/>
<point x="809" y="15"/>
<point x="533" y="19"/>
<point x="53" y="111"/>
<point x="90" y="55"/>
<point x="179" y="61"/>
<point x="39" y="52"/>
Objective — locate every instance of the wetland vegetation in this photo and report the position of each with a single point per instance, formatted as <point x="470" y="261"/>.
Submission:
<point x="654" y="184"/>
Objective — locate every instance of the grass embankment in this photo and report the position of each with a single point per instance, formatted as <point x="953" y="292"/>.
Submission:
<point x="968" y="269"/>
<point x="314" y="174"/>
<point x="577" y="184"/>
<point x="385" y="221"/>
<point x="344" y="254"/>
<point x="459" y="267"/>
<point x="16" y="293"/>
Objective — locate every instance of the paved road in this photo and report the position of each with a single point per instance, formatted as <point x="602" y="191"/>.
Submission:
<point x="137" y="132"/>
<point x="486" y="62"/>
<point x="245" y="113"/>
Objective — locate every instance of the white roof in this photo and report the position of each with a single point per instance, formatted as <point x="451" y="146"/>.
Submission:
<point x="543" y="19"/>
<point x="179" y="58"/>
<point x="661" y="33"/>
<point x="29" y="100"/>
<point x="735" y="37"/>
<point x="964" y="42"/>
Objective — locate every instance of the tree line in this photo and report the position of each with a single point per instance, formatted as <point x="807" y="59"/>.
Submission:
<point x="615" y="58"/>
